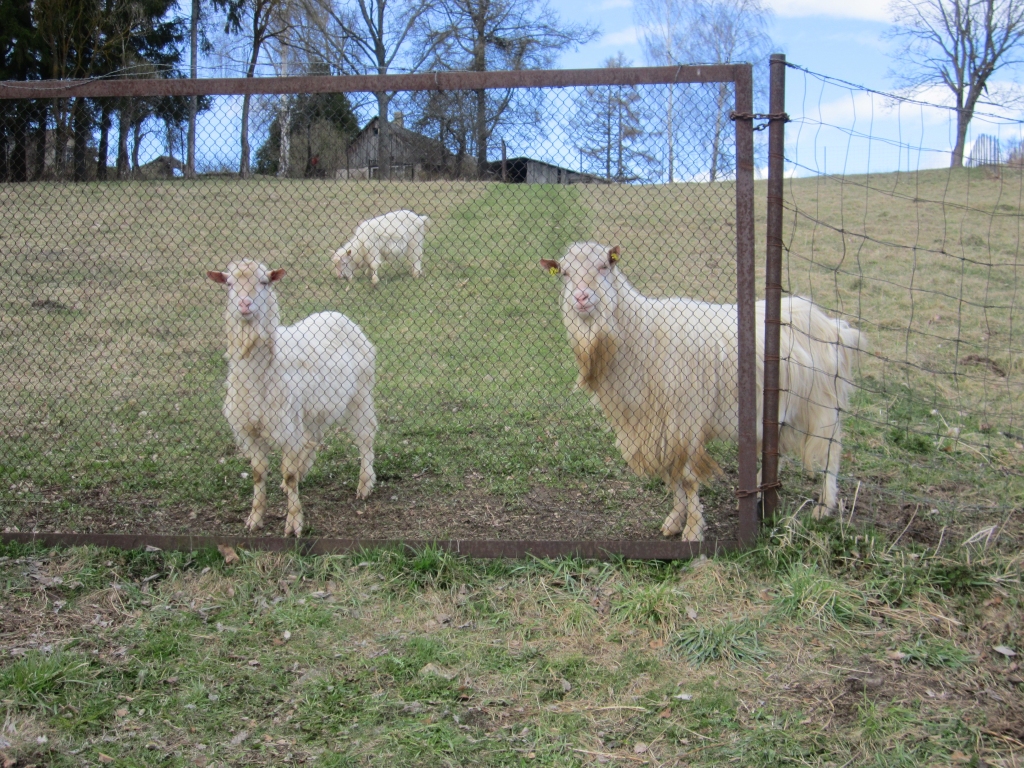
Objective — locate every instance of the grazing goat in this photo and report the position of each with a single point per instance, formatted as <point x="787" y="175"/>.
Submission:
<point x="393" y="236"/>
<point x="664" y="373"/>
<point x="286" y="385"/>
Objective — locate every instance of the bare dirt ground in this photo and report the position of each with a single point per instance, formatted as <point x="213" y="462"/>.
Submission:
<point x="396" y="510"/>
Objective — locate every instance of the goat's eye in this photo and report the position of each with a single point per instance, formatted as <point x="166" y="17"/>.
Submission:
<point x="264" y="281"/>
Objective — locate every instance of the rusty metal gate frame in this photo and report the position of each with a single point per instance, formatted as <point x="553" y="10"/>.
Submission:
<point x="739" y="74"/>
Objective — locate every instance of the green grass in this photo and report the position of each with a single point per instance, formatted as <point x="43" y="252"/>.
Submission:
<point x="430" y="659"/>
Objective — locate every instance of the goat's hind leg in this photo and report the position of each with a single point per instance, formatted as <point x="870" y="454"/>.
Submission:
<point x="825" y="451"/>
<point x="362" y="422"/>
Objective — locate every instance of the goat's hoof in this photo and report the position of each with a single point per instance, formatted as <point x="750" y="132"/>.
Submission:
<point x="693" y="533"/>
<point x="253" y="523"/>
<point x="820" y="511"/>
<point x="671" y="526"/>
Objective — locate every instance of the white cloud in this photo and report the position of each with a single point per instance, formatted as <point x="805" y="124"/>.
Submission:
<point x="627" y="36"/>
<point x="869" y="10"/>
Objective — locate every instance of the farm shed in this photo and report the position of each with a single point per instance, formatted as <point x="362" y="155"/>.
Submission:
<point x="413" y="155"/>
<point x="526" y="170"/>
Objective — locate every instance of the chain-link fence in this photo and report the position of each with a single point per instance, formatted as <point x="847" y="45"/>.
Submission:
<point x="427" y="231"/>
<point x="925" y="260"/>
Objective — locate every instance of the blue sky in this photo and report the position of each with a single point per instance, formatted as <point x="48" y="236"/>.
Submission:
<point x="842" y="40"/>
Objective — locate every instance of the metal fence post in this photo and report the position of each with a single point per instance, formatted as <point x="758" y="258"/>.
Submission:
<point x="773" y="286"/>
<point x="745" y="300"/>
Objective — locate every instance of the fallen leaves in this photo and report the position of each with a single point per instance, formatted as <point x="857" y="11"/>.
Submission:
<point x="1004" y="650"/>
<point x="229" y="554"/>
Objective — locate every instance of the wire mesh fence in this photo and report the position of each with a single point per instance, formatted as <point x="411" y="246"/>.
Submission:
<point x="401" y="258"/>
<point x="924" y="259"/>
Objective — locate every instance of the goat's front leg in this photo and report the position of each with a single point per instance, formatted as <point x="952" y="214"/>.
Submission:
<point x="376" y="260"/>
<point x="290" y="485"/>
<point x="687" y="516"/>
<point x="259" y="493"/>
<point x="295" y="463"/>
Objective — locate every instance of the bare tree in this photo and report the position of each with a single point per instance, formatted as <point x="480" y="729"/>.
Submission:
<point x="259" y="21"/>
<point x="706" y="32"/>
<point x="367" y="37"/>
<point x="664" y="43"/>
<point x="483" y="35"/>
<point x="608" y="128"/>
<point x="959" y="44"/>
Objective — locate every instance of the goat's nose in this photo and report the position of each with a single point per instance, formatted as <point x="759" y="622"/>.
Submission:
<point x="245" y="305"/>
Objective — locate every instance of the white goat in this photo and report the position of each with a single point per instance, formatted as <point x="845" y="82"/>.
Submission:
<point x="664" y="373"/>
<point x="287" y="384"/>
<point x="393" y="236"/>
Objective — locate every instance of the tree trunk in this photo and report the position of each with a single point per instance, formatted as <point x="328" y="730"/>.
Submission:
<point x="481" y="133"/>
<point x="243" y="165"/>
<point x="42" y="109"/>
<point x="670" y="134"/>
<point x="123" y="127"/>
<point x="17" y="169"/>
<point x="7" y="142"/>
<point x="136" y="141"/>
<point x="284" y="121"/>
<point x="101" y="155"/>
<point x="963" y="120"/>
<point x="80" y="125"/>
<point x="193" y="105"/>
<point x="285" y="149"/>
<point x="384" y="153"/>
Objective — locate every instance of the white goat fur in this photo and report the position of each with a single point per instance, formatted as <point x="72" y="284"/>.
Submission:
<point x="286" y="385"/>
<point x="663" y="372"/>
<point x="393" y="236"/>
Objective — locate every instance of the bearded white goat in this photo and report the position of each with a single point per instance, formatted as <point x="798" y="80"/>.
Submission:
<point x="664" y="374"/>
<point x="286" y="385"/>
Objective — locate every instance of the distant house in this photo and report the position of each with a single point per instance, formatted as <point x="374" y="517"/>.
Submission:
<point x="413" y="155"/>
<point x="526" y="170"/>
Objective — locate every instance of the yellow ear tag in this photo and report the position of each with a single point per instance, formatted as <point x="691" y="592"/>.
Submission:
<point x="613" y="257"/>
<point x="553" y="270"/>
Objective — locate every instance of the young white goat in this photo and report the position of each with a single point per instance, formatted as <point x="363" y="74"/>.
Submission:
<point x="664" y="371"/>
<point x="393" y="236"/>
<point x="287" y="384"/>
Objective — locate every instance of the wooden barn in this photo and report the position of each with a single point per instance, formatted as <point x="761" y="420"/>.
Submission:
<point x="413" y="155"/>
<point x="526" y="170"/>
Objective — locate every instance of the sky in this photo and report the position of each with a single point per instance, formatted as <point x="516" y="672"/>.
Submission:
<point x="842" y="39"/>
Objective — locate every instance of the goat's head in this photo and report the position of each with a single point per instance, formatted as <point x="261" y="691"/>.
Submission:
<point x="250" y="296"/>
<point x="588" y="278"/>
<point x="342" y="259"/>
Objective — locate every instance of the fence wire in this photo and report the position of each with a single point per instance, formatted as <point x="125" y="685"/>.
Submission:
<point x="131" y="270"/>
<point x="925" y="260"/>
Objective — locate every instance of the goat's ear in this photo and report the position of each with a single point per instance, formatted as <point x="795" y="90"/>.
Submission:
<point x="550" y="265"/>
<point x="217" y="277"/>
<point x="613" y="254"/>
<point x="275" y="275"/>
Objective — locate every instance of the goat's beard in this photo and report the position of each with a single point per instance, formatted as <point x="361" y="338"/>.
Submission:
<point x="244" y="336"/>
<point x="594" y="345"/>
